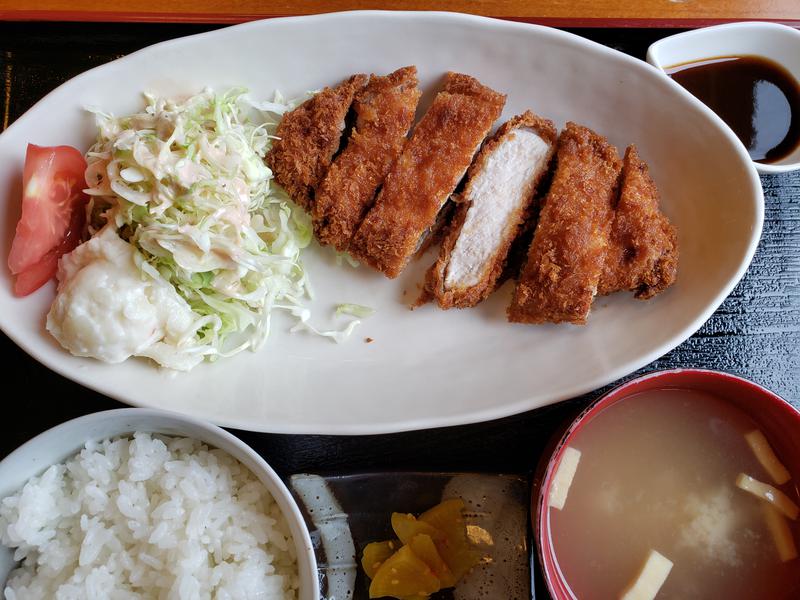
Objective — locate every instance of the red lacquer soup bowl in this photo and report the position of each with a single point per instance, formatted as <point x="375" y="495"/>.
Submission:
<point x="777" y="419"/>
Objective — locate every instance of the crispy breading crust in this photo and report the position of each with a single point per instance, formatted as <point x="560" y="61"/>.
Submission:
<point x="643" y="247"/>
<point x="559" y="280"/>
<point x="309" y="137"/>
<point x="434" y="235"/>
<point x="435" y="277"/>
<point x="384" y="113"/>
<point x="432" y="162"/>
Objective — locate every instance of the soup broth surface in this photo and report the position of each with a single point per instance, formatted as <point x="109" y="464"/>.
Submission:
<point x="658" y="471"/>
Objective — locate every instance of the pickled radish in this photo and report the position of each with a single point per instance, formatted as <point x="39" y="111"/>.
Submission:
<point x="406" y="526"/>
<point x="455" y="549"/>
<point x="433" y="547"/>
<point x="375" y="554"/>
<point x="402" y="575"/>
<point x="424" y="547"/>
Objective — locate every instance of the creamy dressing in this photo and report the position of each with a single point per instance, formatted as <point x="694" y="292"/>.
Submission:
<point x="501" y="187"/>
<point x="108" y="310"/>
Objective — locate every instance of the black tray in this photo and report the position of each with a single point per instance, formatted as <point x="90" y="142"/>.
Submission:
<point x="755" y="333"/>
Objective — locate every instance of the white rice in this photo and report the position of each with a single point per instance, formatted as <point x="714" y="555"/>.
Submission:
<point x="147" y="517"/>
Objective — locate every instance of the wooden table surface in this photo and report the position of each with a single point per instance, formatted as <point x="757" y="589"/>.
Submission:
<point x="755" y="333"/>
<point x="559" y="13"/>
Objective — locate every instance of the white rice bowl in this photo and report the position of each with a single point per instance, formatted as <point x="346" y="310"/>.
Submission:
<point x="148" y="516"/>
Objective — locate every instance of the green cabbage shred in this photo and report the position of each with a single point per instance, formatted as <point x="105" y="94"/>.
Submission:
<point x="185" y="182"/>
<point x="355" y="310"/>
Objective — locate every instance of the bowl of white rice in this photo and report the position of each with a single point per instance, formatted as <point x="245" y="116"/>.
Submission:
<point x="145" y="504"/>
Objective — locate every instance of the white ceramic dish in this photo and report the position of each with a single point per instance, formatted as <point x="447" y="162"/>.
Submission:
<point x="770" y="40"/>
<point x="59" y="443"/>
<point x="427" y="368"/>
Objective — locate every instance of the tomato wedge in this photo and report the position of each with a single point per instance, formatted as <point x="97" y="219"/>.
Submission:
<point x="35" y="276"/>
<point x="53" y="214"/>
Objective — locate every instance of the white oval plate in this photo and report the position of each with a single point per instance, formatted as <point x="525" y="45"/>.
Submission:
<point x="427" y="368"/>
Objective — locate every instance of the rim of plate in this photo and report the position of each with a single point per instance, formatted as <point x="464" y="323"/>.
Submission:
<point x="487" y="414"/>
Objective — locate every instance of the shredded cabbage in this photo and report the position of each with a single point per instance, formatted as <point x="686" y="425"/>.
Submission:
<point x="186" y="184"/>
<point x="355" y="310"/>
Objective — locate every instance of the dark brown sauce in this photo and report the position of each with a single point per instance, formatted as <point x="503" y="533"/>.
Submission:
<point x="756" y="97"/>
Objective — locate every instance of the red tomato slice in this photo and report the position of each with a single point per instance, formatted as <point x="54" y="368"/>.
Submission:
<point x="52" y="195"/>
<point x="35" y="276"/>
<point x="32" y="278"/>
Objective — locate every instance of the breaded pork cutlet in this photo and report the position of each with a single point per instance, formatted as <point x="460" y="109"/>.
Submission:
<point x="433" y="161"/>
<point x="501" y="185"/>
<point x="384" y="111"/>
<point x="309" y="136"/>
<point x="560" y="278"/>
<point x="642" y="254"/>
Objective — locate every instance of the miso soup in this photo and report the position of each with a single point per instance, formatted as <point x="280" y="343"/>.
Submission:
<point x="656" y="478"/>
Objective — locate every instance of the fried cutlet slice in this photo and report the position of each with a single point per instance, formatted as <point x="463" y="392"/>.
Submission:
<point x="384" y="112"/>
<point x="427" y="171"/>
<point x="309" y="136"/>
<point x="560" y="278"/>
<point x="643" y="246"/>
<point x="501" y="185"/>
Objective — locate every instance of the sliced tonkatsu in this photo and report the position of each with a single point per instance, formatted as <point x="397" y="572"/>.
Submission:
<point x="501" y="185"/>
<point x="384" y="111"/>
<point x="308" y="137"/>
<point x="642" y="253"/>
<point x="427" y="171"/>
<point x="560" y="278"/>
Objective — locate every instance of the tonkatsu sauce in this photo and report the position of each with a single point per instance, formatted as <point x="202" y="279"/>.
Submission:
<point x="756" y="97"/>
